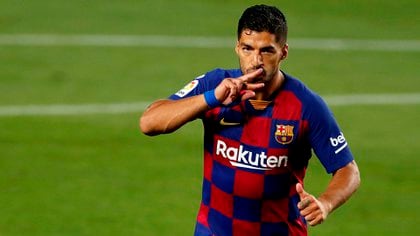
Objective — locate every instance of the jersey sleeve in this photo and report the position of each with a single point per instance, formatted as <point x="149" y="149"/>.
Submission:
<point x="326" y="138"/>
<point x="199" y="85"/>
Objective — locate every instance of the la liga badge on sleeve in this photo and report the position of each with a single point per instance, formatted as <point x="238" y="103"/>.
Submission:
<point x="187" y="89"/>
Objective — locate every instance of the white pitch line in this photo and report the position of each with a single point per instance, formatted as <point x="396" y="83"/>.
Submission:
<point x="137" y="107"/>
<point x="201" y="42"/>
<point x="373" y="99"/>
<point x="72" y="109"/>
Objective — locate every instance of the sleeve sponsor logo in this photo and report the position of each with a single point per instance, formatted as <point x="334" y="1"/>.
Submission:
<point x="187" y="89"/>
<point x="338" y="142"/>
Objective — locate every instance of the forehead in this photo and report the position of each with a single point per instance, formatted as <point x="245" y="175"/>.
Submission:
<point x="260" y="39"/>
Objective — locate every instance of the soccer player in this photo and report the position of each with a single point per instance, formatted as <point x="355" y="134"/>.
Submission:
<point x="261" y="126"/>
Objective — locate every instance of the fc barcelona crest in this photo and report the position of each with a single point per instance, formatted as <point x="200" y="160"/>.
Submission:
<point x="284" y="134"/>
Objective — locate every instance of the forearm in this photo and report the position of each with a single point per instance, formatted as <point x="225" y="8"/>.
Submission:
<point x="343" y="184"/>
<point x="166" y="116"/>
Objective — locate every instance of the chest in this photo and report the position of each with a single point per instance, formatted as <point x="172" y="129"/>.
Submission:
<point x="280" y="125"/>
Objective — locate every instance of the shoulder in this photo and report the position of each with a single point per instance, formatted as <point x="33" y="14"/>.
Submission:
<point x="312" y="104"/>
<point x="214" y="77"/>
<point x="205" y="82"/>
<point x="306" y="96"/>
<point x="220" y="73"/>
<point x="296" y="101"/>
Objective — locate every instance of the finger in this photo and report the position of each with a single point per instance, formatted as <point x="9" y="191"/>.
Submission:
<point x="230" y="86"/>
<point x="233" y="91"/>
<point x="304" y="203"/>
<point x="250" y="76"/>
<point x="247" y="94"/>
<point x="312" y="208"/>
<point x="311" y="217"/>
<point x="256" y="86"/>
<point x="315" y="221"/>
<point x="301" y="191"/>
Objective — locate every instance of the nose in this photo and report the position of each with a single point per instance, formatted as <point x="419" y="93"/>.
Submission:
<point x="257" y="60"/>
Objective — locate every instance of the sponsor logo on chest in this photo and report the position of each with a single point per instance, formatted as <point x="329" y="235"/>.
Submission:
<point x="240" y="157"/>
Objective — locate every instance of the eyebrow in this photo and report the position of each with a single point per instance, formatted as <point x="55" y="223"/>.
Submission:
<point x="270" y="47"/>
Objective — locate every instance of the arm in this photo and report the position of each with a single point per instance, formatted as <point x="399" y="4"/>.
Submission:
<point x="343" y="184"/>
<point x="166" y="116"/>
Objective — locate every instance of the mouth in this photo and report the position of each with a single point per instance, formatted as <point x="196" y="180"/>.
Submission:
<point x="258" y="79"/>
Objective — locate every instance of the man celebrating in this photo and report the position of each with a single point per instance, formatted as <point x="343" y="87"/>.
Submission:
<point x="261" y="126"/>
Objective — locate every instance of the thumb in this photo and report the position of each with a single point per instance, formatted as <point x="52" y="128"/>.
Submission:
<point x="301" y="191"/>
<point x="305" y="199"/>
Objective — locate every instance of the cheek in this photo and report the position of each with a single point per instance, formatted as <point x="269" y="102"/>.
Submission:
<point x="244" y="61"/>
<point x="273" y="61"/>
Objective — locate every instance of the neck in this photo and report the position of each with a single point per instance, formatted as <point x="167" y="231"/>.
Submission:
<point x="270" y="87"/>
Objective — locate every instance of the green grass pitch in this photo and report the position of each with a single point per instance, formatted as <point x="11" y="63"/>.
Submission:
<point x="96" y="174"/>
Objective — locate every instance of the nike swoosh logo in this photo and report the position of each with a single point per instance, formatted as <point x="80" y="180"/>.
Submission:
<point x="223" y="122"/>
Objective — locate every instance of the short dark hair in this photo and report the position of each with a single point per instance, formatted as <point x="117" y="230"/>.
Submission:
<point x="262" y="18"/>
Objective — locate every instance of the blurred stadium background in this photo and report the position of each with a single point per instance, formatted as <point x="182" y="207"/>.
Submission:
<point x="76" y="75"/>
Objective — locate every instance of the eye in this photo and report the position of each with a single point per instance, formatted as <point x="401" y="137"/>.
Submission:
<point x="268" y="51"/>
<point x="246" y="49"/>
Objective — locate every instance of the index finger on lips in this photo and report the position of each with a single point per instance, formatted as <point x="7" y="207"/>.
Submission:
<point x="248" y="77"/>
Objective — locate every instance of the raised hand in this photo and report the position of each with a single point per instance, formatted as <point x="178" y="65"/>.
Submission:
<point x="232" y="88"/>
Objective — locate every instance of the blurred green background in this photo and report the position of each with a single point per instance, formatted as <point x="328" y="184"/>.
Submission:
<point x="96" y="174"/>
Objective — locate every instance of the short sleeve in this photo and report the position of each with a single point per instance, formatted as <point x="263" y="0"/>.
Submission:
<point x="191" y="89"/>
<point x="200" y="84"/>
<point x="326" y="138"/>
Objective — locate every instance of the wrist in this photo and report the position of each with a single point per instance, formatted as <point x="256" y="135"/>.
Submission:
<point x="326" y="204"/>
<point x="211" y="100"/>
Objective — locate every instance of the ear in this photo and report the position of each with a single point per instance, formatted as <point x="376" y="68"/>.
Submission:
<point x="237" y="48"/>
<point x="285" y="51"/>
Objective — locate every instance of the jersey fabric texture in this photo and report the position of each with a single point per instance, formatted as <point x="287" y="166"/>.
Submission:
<point x="254" y="158"/>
